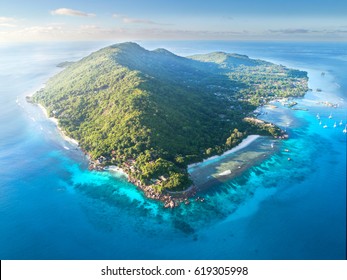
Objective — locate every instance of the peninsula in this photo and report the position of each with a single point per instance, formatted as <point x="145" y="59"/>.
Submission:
<point x="152" y="113"/>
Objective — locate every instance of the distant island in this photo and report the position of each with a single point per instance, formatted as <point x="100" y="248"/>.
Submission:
<point x="151" y="113"/>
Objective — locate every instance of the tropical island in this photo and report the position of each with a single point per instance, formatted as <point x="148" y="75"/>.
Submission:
<point x="152" y="113"/>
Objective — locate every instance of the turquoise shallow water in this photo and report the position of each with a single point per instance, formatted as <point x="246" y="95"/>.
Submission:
<point x="52" y="207"/>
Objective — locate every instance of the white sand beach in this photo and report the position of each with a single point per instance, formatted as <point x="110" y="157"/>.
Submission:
<point x="116" y="169"/>
<point x="62" y="133"/>
<point x="245" y="142"/>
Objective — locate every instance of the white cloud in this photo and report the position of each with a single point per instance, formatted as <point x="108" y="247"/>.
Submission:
<point x="70" y="12"/>
<point x="145" y="30"/>
<point x="117" y="16"/>
<point x="138" y="20"/>
<point x="7" y="25"/>
<point x="7" y="22"/>
<point x="130" y="20"/>
<point x="6" y="19"/>
<point x="41" y="30"/>
<point x="90" y="27"/>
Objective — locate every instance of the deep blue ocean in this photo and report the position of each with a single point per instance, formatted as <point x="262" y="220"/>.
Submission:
<point x="52" y="207"/>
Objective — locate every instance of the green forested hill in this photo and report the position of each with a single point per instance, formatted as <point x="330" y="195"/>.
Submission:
<point x="153" y="112"/>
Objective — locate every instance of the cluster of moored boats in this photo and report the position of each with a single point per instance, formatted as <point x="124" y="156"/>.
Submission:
<point x="335" y="123"/>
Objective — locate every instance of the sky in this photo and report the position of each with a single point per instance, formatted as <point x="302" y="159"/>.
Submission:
<point x="254" y="20"/>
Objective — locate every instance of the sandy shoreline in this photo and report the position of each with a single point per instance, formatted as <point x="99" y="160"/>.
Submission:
<point x="222" y="169"/>
<point x="55" y="121"/>
<point x="245" y="142"/>
<point x="116" y="169"/>
<point x="111" y="168"/>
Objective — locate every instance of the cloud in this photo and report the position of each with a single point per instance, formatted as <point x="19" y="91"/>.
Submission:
<point x="90" y="27"/>
<point x="336" y="31"/>
<point x="308" y="32"/>
<point x="7" y="22"/>
<point x="143" y="29"/>
<point x="6" y="19"/>
<point x="7" y="25"/>
<point x="130" y="20"/>
<point x="40" y="30"/>
<point x="138" y="20"/>
<point x="117" y="16"/>
<point x="182" y="34"/>
<point x="70" y="12"/>
<point x="292" y="31"/>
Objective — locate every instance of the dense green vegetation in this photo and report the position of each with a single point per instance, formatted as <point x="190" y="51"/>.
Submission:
<point x="152" y="112"/>
<point x="263" y="80"/>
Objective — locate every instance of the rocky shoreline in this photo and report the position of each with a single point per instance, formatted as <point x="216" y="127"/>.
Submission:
<point x="169" y="199"/>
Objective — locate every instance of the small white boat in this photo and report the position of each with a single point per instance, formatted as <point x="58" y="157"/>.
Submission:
<point x="318" y="117"/>
<point x="340" y="122"/>
<point x="334" y="124"/>
<point x="345" y="130"/>
<point x="272" y="145"/>
<point x="330" y="116"/>
<point x="325" y="126"/>
<point x="320" y="123"/>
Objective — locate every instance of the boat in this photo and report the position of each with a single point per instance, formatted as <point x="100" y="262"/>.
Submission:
<point x="345" y="130"/>
<point x="320" y="123"/>
<point x="325" y="126"/>
<point x="272" y="145"/>
<point x="318" y="117"/>
<point x="334" y="124"/>
<point x="330" y="116"/>
<point x="340" y="122"/>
